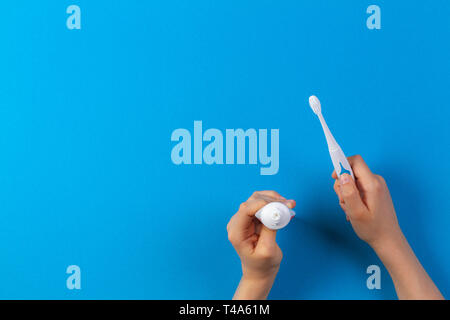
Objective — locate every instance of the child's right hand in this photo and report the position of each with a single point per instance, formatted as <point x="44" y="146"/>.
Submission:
<point x="368" y="204"/>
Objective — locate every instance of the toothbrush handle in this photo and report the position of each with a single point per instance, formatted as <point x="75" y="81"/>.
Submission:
<point x="340" y="162"/>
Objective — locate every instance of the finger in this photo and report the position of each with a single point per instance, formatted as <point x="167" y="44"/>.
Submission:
<point x="361" y="170"/>
<point x="334" y="175"/>
<point x="290" y="203"/>
<point x="250" y="207"/>
<point x="269" y="198"/>
<point x="244" y="218"/>
<point x="366" y="181"/>
<point x="258" y="227"/>
<point x="267" y="195"/>
<point x="242" y="224"/>
<point x="267" y="238"/>
<point x="337" y="189"/>
<point x="253" y="240"/>
<point x="272" y="196"/>
<point x="352" y="202"/>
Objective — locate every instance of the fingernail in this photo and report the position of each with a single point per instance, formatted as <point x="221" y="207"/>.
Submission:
<point x="344" y="179"/>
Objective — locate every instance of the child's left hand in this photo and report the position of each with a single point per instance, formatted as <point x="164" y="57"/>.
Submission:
<point x="256" y="246"/>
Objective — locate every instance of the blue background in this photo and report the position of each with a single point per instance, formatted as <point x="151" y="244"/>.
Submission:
<point x="86" y="117"/>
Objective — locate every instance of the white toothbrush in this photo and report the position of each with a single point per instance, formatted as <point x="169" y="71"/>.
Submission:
<point x="338" y="157"/>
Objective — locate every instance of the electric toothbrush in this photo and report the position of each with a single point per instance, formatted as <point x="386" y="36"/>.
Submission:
<point x="275" y="215"/>
<point x="340" y="162"/>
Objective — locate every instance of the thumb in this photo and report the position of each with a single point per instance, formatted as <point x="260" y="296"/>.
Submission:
<point x="267" y="237"/>
<point x="351" y="199"/>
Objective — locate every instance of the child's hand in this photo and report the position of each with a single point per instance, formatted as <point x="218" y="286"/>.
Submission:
<point x="369" y="208"/>
<point x="256" y="246"/>
<point x="368" y="204"/>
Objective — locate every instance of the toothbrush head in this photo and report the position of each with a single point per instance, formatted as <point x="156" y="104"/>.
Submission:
<point x="315" y="105"/>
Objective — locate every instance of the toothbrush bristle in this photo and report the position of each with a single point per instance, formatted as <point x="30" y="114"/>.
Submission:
<point x="315" y="104"/>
